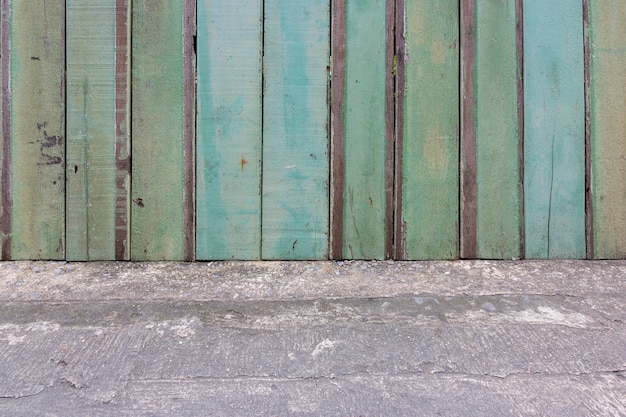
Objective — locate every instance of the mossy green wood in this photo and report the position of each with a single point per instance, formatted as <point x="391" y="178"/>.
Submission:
<point x="430" y="162"/>
<point x="91" y="174"/>
<point x="38" y="129"/>
<point x="295" y="214"/>
<point x="608" y="127"/>
<point x="229" y="129"/>
<point x="554" y="143"/>
<point x="365" y="130"/>
<point x="157" y="226"/>
<point x="499" y="199"/>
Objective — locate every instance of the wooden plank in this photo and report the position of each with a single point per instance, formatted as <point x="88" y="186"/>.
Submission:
<point x="365" y="193"/>
<point x="338" y="53"/>
<point x="430" y="130"/>
<point x="159" y="148"/>
<point x="490" y="158"/>
<point x="554" y="126"/>
<point x="5" y="125"/>
<point x="37" y="131"/>
<point x="295" y="213"/>
<point x="91" y="131"/>
<point x="608" y="127"/>
<point x="229" y="129"/>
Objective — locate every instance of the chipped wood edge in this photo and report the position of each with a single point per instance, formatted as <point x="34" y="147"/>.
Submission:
<point x="338" y="53"/>
<point x="468" y="133"/>
<point x="519" y="9"/>
<point x="399" y="248"/>
<point x="122" y="130"/>
<point x="588" y="148"/>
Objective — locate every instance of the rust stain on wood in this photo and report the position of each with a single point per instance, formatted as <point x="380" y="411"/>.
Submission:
<point x="390" y="116"/>
<point x="468" y="138"/>
<point x="7" y="203"/>
<point x="122" y="151"/>
<point x="189" y="112"/>
<point x="589" y="223"/>
<point x="399" y="243"/>
<point x="338" y="39"/>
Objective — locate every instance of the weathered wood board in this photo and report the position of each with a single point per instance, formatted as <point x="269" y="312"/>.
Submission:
<point x="92" y="128"/>
<point x="160" y="147"/>
<point x="37" y="128"/>
<point x="295" y="183"/>
<point x="495" y="119"/>
<point x="608" y="126"/>
<point x="5" y="128"/>
<point x="365" y="131"/>
<point x="554" y="126"/>
<point x="430" y="130"/>
<point x="229" y="129"/>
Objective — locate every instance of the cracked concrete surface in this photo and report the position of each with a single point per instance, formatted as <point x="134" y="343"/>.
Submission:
<point x="470" y="338"/>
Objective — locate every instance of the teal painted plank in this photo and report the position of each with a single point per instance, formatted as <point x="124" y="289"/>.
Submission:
<point x="608" y="127"/>
<point x="229" y="129"/>
<point x="37" y="129"/>
<point x="5" y="124"/>
<point x="554" y="148"/>
<point x="430" y="160"/>
<point x="157" y="126"/>
<point x="365" y="208"/>
<point x="295" y="201"/>
<point x="91" y="130"/>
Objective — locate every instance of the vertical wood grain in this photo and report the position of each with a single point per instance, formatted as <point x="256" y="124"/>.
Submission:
<point x="158" y="126"/>
<point x="554" y="146"/>
<point x="37" y="131"/>
<point x="338" y="53"/>
<point x="295" y="199"/>
<point x="229" y="129"/>
<point x="365" y="194"/>
<point x="5" y="126"/>
<point x="491" y="197"/>
<point x="428" y="103"/>
<point x="91" y="130"/>
<point x="607" y="101"/>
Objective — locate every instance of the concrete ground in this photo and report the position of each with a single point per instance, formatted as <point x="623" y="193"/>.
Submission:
<point x="471" y="338"/>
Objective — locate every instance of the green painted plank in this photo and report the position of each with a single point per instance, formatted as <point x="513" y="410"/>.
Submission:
<point x="608" y="126"/>
<point x="499" y="200"/>
<point x="554" y="126"/>
<point x="91" y="173"/>
<point x="5" y="124"/>
<point x="365" y="142"/>
<point x="157" y="225"/>
<point x="37" y="129"/>
<point x="229" y="129"/>
<point x="430" y="159"/>
<point x="295" y="138"/>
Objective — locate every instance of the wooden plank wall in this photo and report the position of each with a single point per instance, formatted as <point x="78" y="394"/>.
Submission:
<point x="162" y="149"/>
<point x="34" y="129"/>
<point x="97" y="140"/>
<point x="490" y="157"/>
<point x="427" y="186"/>
<point x="554" y="127"/>
<point x="229" y="129"/>
<point x="607" y="96"/>
<point x="416" y="129"/>
<point x="295" y="199"/>
<point x="364" y="138"/>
